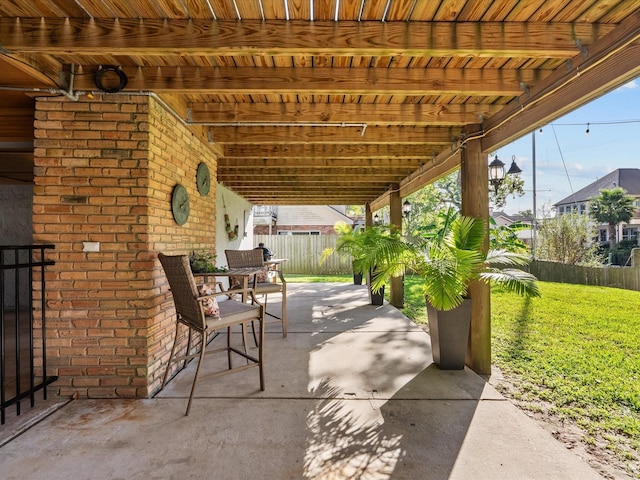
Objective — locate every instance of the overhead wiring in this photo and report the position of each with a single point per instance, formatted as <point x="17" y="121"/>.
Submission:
<point x="564" y="164"/>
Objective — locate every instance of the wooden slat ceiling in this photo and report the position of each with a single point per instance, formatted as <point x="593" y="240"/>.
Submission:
<point x="325" y="101"/>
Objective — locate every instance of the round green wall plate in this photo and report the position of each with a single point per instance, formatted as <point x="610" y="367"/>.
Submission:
<point x="180" y="204"/>
<point x="203" y="179"/>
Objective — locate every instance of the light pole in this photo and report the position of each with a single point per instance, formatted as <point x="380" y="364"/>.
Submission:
<point x="534" y="224"/>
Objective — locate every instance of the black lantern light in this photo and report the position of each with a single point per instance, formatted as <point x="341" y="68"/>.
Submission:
<point x="406" y="208"/>
<point x="514" y="169"/>
<point x="496" y="172"/>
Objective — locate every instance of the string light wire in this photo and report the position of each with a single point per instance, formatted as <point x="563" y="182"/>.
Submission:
<point x="564" y="164"/>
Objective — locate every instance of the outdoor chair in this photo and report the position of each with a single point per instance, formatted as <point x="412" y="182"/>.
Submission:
<point x="261" y="282"/>
<point x="202" y="320"/>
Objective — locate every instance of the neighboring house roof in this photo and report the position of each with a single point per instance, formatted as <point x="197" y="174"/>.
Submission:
<point x="511" y="218"/>
<point x="310" y="215"/>
<point x="627" y="178"/>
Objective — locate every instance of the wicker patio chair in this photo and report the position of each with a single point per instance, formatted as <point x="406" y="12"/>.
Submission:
<point x="190" y="312"/>
<point x="261" y="283"/>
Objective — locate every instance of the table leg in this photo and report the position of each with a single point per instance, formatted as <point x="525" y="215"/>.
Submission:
<point x="245" y="285"/>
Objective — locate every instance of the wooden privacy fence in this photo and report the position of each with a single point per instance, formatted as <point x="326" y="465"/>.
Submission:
<point x="304" y="252"/>
<point x="627" y="278"/>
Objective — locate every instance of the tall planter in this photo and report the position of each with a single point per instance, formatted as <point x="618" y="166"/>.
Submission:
<point x="375" y="298"/>
<point x="357" y="277"/>
<point x="449" y="330"/>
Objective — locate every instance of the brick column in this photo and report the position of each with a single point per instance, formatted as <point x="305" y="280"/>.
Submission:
<point x="104" y="172"/>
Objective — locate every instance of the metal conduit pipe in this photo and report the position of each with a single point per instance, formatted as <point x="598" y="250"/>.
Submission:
<point x="190" y="123"/>
<point x="75" y="95"/>
<point x="55" y="91"/>
<point x="279" y="124"/>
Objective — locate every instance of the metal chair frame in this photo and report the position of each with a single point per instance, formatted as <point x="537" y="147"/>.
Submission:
<point x="254" y="258"/>
<point x="190" y="313"/>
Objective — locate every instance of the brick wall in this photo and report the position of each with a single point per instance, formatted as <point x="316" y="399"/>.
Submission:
<point x="104" y="172"/>
<point x="174" y="155"/>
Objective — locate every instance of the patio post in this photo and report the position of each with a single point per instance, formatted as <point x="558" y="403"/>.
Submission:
<point x="396" y="284"/>
<point x="475" y="202"/>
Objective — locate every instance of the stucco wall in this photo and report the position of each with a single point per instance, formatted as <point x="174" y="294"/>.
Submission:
<point x="15" y="229"/>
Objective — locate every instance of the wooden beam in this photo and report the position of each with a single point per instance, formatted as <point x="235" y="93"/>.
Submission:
<point x="16" y="124"/>
<point x="611" y="62"/>
<point x="326" y="189"/>
<point x="368" y="217"/>
<point x="358" y="174"/>
<point x="320" y="80"/>
<point x="396" y="284"/>
<point x="335" y="135"/>
<point x="330" y="151"/>
<point x="302" y="199"/>
<point x="475" y="203"/>
<point x="144" y="37"/>
<point x="371" y="114"/>
<point x="310" y="187"/>
<point x="26" y="71"/>
<point x="433" y="169"/>
<point x="315" y="163"/>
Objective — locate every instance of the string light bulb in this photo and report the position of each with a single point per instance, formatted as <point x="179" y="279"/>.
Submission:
<point x="587" y="130"/>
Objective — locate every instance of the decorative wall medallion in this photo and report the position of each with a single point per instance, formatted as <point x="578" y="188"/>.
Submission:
<point x="180" y="204"/>
<point x="203" y="179"/>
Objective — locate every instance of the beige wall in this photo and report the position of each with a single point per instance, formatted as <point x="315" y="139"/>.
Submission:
<point x="104" y="171"/>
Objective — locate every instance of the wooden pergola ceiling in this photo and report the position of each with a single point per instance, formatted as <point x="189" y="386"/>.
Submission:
<point x="324" y="101"/>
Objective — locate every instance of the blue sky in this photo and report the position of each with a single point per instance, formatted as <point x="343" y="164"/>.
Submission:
<point x="567" y="158"/>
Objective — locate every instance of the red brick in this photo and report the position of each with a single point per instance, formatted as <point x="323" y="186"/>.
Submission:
<point x="121" y="155"/>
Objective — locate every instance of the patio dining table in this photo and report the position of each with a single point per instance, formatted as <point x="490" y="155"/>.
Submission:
<point x="244" y="273"/>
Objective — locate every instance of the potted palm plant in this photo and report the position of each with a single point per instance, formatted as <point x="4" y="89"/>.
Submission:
<point x="448" y="262"/>
<point x="348" y="246"/>
<point x="358" y="246"/>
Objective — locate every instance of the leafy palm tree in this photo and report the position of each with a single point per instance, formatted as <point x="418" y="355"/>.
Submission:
<point x="612" y="206"/>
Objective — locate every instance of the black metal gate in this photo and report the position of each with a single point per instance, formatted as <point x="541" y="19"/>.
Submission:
<point x="23" y="363"/>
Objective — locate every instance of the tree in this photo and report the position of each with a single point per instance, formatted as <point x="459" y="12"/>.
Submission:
<point x="443" y="197"/>
<point x="429" y="204"/>
<point x="505" y="237"/>
<point x="511" y="185"/>
<point x="612" y="206"/>
<point x="568" y="239"/>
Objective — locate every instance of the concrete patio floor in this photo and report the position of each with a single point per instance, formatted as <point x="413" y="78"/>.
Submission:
<point x="351" y="393"/>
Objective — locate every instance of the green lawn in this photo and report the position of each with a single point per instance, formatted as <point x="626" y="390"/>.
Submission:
<point x="578" y="348"/>
<point x="575" y="352"/>
<point x="295" y="278"/>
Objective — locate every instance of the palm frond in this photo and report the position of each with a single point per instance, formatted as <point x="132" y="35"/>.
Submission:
<point x="504" y="257"/>
<point x="467" y="233"/>
<point x="442" y="283"/>
<point x="513" y="280"/>
<point x="326" y="253"/>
